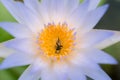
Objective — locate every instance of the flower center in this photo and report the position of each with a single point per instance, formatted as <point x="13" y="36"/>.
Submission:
<point x="56" y="40"/>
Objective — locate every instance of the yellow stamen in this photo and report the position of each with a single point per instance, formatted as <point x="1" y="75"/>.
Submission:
<point x="56" y="40"/>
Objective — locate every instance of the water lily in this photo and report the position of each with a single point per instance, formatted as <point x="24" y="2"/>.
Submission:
<point x="56" y="38"/>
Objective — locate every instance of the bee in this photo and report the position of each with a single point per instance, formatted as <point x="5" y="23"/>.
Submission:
<point x="58" y="46"/>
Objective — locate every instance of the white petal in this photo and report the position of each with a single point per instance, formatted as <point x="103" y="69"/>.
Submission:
<point x="48" y="76"/>
<point x="71" y="5"/>
<point x="75" y="74"/>
<point x="92" y="18"/>
<point x="47" y="72"/>
<point x="98" y="56"/>
<point x="24" y="45"/>
<point x="76" y="18"/>
<point x="94" y="37"/>
<point x="33" y="72"/>
<point x="17" y="30"/>
<point x="32" y="4"/>
<point x="60" y="70"/>
<point x="53" y="11"/>
<point x="93" y="4"/>
<point x="110" y="41"/>
<point x="89" y="68"/>
<point x="62" y="8"/>
<point x="57" y="8"/>
<point x="29" y="75"/>
<point x="94" y="72"/>
<point x="4" y="51"/>
<point x="24" y="15"/>
<point x="17" y="59"/>
<point x="55" y="71"/>
<point x="44" y="8"/>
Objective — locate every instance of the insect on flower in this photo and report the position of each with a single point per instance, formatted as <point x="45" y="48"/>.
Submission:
<point x="67" y="47"/>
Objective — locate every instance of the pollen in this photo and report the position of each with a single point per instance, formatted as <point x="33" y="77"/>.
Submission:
<point x="56" y="40"/>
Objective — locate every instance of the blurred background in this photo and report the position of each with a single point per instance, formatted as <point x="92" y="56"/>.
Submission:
<point x="111" y="20"/>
